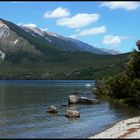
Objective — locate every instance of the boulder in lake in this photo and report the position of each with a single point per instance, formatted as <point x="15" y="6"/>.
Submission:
<point x="73" y="99"/>
<point x="72" y="113"/>
<point x="52" y="109"/>
<point x="85" y="100"/>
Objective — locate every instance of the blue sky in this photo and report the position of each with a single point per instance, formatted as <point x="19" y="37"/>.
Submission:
<point x="110" y="25"/>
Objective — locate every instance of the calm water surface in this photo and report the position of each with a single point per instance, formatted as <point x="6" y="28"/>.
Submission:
<point x="23" y="110"/>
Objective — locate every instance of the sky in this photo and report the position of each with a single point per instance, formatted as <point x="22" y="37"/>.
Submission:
<point x="110" y="25"/>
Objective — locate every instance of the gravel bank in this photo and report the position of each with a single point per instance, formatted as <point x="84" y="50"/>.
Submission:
<point x="129" y="128"/>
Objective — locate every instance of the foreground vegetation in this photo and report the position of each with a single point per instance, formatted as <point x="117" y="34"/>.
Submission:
<point x="124" y="86"/>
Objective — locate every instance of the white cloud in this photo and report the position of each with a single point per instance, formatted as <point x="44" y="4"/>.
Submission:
<point x="90" y="31"/>
<point x="121" y="5"/>
<point x="79" y="20"/>
<point x="29" y="24"/>
<point x="57" y="13"/>
<point x="113" y="40"/>
<point x="32" y="25"/>
<point x="93" y="31"/>
<point x="73" y="36"/>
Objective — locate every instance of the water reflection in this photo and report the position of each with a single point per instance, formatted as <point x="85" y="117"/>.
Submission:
<point x="74" y="119"/>
<point x="73" y="107"/>
<point x="2" y="95"/>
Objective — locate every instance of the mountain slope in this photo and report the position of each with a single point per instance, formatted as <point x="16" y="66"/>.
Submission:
<point x="111" y="51"/>
<point x="39" y="43"/>
<point x="76" y="65"/>
<point x="16" y="39"/>
<point x="63" y="43"/>
<point x="10" y="41"/>
<point x="29" y="53"/>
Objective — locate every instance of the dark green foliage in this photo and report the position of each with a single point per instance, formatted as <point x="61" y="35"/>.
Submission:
<point x="138" y="44"/>
<point x="133" y="66"/>
<point x="64" y="65"/>
<point x="125" y="85"/>
<point x="19" y="56"/>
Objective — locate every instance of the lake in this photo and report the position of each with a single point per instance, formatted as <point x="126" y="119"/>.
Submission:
<point x="24" y="103"/>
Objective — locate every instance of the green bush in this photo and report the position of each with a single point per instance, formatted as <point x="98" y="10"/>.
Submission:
<point x="125" y="85"/>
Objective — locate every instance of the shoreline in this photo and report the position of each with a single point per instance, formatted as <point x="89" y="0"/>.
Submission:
<point x="128" y="128"/>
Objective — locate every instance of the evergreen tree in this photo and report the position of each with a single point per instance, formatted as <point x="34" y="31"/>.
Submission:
<point x="125" y="85"/>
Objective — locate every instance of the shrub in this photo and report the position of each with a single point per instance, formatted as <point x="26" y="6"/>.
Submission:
<point x="125" y="85"/>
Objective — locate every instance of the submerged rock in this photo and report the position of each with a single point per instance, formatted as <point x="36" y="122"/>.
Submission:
<point x="52" y="109"/>
<point x="72" y="113"/>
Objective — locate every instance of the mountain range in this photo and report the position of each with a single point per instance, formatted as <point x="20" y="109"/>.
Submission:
<point x="25" y="51"/>
<point x="12" y="36"/>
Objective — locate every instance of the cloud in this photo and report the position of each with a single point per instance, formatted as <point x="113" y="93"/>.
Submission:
<point x="121" y="5"/>
<point x="57" y="13"/>
<point x="78" y="21"/>
<point x="113" y="40"/>
<point x="32" y="25"/>
<point x="29" y="24"/>
<point x="90" y="31"/>
<point x="73" y="36"/>
<point x="93" y="31"/>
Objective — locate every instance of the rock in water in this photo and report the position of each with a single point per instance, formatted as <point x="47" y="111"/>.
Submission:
<point x="72" y="113"/>
<point x="73" y="99"/>
<point x="52" y="109"/>
<point x="85" y="100"/>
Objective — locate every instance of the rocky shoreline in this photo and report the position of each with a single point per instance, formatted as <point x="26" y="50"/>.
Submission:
<point x="129" y="128"/>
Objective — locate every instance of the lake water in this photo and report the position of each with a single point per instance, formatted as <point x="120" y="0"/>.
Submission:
<point x="23" y="110"/>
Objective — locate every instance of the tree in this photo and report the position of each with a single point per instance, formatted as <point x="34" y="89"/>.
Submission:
<point x="138" y="44"/>
<point x="125" y="85"/>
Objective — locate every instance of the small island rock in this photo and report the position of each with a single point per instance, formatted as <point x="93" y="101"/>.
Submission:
<point x="52" y="109"/>
<point x="72" y="113"/>
<point x="73" y="99"/>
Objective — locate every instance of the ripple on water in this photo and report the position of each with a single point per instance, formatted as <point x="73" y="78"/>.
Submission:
<point x="23" y="111"/>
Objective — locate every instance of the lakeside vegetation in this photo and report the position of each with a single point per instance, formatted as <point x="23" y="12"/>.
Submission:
<point x="123" y="86"/>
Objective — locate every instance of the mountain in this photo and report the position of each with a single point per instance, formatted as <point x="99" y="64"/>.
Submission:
<point x="61" y="42"/>
<point x="30" y="53"/>
<point x="111" y="51"/>
<point x="28" y="39"/>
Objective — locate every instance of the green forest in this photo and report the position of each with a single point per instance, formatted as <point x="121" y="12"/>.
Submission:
<point x="64" y="65"/>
